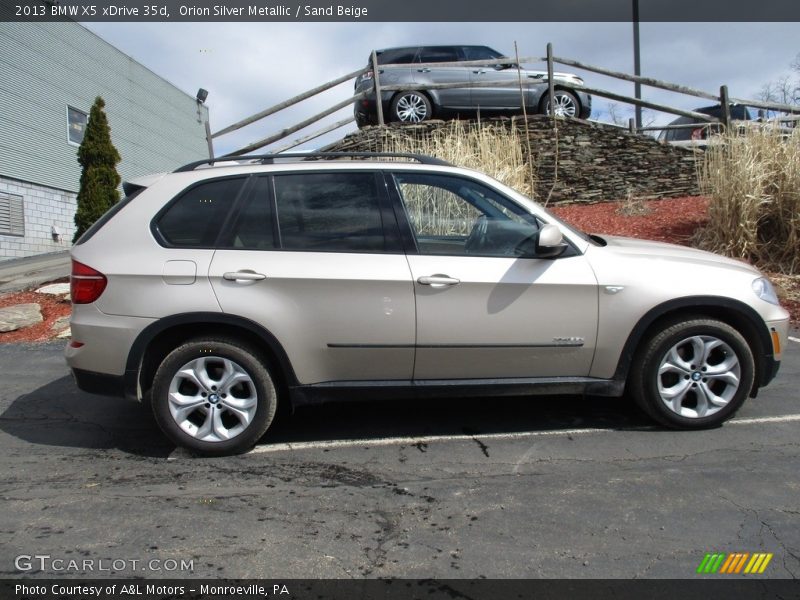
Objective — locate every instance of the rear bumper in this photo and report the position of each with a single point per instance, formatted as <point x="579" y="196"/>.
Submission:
<point x="99" y="383"/>
<point x="366" y="112"/>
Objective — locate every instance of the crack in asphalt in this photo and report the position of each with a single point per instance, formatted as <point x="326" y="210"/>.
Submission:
<point x="752" y="512"/>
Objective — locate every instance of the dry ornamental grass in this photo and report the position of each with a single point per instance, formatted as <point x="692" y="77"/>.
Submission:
<point x="496" y="151"/>
<point x="753" y="179"/>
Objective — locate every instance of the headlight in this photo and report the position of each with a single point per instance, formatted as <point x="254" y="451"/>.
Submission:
<point x="764" y="290"/>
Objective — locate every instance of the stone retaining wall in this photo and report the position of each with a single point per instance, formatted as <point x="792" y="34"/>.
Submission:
<point x="596" y="162"/>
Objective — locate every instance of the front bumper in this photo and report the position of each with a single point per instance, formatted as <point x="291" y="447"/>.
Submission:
<point x="779" y="336"/>
<point x="586" y="104"/>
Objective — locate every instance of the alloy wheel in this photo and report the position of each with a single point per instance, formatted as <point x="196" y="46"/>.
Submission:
<point x="412" y="108"/>
<point x="212" y="399"/>
<point x="698" y="376"/>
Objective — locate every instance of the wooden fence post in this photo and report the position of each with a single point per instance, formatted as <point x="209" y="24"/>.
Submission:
<point x="551" y="91"/>
<point x="378" y="100"/>
<point x="632" y="125"/>
<point x="724" y="103"/>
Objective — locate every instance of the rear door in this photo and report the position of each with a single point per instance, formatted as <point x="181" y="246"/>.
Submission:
<point x="314" y="258"/>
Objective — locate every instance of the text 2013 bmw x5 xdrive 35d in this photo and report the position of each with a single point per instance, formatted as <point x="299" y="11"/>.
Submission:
<point x="220" y="292"/>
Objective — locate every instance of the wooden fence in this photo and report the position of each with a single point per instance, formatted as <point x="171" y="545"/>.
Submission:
<point x="792" y="112"/>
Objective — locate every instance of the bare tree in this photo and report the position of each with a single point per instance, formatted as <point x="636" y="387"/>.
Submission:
<point x="785" y="89"/>
<point x="619" y="115"/>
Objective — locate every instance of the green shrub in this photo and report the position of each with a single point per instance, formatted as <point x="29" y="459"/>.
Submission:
<point x="99" y="178"/>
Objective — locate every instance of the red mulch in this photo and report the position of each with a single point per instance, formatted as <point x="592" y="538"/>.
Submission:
<point x="673" y="220"/>
<point x="53" y="308"/>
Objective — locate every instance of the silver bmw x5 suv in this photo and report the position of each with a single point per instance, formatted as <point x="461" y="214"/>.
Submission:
<point x="491" y="89"/>
<point x="225" y="288"/>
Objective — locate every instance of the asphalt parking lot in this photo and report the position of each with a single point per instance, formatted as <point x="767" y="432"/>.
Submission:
<point x="544" y="487"/>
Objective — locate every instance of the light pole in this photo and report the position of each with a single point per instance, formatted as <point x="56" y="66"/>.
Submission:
<point x="201" y="100"/>
<point x="637" y="66"/>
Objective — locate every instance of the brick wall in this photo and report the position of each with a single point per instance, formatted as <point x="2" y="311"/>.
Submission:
<point x="595" y="162"/>
<point x="43" y="208"/>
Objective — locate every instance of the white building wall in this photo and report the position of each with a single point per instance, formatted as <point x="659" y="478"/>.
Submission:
<point x="44" y="208"/>
<point x="46" y="67"/>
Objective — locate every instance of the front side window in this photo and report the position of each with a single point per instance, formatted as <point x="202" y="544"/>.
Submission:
<point x="456" y="216"/>
<point x="194" y="220"/>
<point x="76" y="125"/>
<point x="480" y="53"/>
<point x="329" y="212"/>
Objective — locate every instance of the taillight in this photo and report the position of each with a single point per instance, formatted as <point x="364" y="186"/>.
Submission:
<point x="85" y="284"/>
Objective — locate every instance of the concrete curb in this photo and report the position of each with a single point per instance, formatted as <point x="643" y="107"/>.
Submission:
<point x="33" y="271"/>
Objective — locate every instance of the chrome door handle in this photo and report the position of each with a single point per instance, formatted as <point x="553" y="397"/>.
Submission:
<point x="480" y="71"/>
<point x="425" y="70"/>
<point x="243" y="276"/>
<point x="438" y="280"/>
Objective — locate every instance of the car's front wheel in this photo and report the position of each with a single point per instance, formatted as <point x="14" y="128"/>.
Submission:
<point x="693" y="374"/>
<point x="213" y="396"/>
<point x="411" y="107"/>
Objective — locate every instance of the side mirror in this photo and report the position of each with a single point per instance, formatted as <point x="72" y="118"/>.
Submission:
<point x="549" y="242"/>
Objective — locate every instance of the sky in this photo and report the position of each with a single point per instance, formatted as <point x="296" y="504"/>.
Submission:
<point x="247" y="67"/>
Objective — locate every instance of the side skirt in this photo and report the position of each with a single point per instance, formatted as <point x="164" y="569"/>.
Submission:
<point x="339" y="391"/>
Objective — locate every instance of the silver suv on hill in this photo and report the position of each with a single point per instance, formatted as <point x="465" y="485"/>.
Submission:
<point x="223" y="289"/>
<point x="416" y="66"/>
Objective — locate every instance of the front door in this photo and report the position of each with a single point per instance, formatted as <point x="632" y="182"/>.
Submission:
<point x="449" y="98"/>
<point x="485" y="309"/>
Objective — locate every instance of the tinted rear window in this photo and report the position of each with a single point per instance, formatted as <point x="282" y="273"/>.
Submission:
<point x="252" y="228"/>
<point x="436" y="54"/>
<point x="401" y="56"/>
<point x="337" y="212"/>
<point x="195" y="218"/>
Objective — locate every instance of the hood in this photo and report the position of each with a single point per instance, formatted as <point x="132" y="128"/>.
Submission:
<point x="636" y="248"/>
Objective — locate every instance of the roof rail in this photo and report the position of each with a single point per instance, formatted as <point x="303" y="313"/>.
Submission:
<point x="268" y="159"/>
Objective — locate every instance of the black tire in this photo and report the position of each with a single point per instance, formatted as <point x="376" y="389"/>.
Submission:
<point x="679" y="346"/>
<point x="564" y="99"/>
<point x="411" y="107"/>
<point x="254" y="388"/>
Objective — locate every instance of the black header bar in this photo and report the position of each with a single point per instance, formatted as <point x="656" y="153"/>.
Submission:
<point x="404" y="11"/>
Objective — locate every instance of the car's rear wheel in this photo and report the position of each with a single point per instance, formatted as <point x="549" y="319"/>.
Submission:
<point x="411" y="107"/>
<point x="213" y="396"/>
<point x="693" y="374"/>
<point x="566" y="104"/>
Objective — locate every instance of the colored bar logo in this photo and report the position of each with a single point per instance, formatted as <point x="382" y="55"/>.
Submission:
<point x="734" y="563"/>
